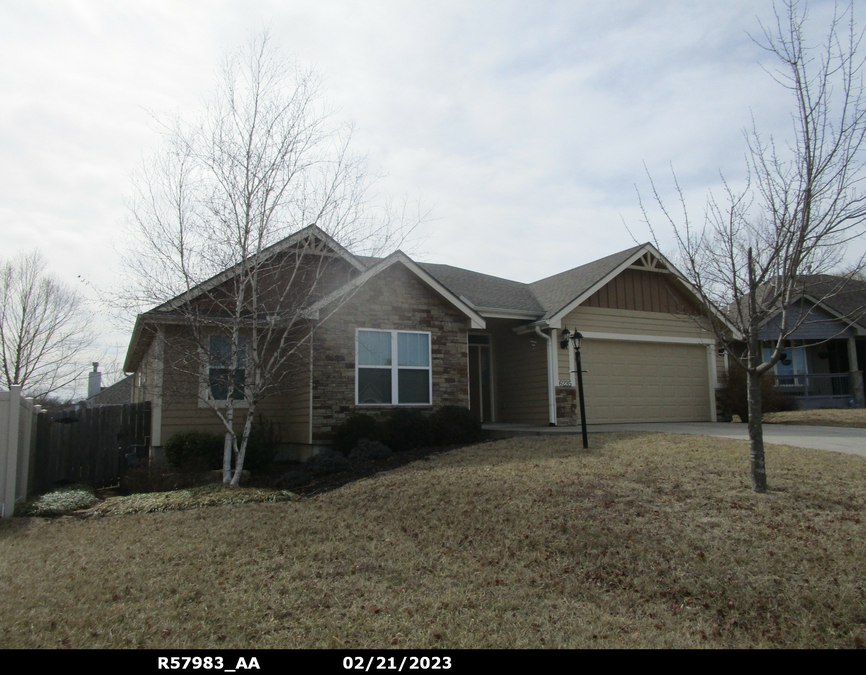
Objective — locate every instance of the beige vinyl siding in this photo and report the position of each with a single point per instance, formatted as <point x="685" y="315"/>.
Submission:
<point x="181" y="411"/>
<point x="621" y="322"/>
<point x="602" y="320"/>
<point x="147" y="365"/>
<point x="520" y="368"/>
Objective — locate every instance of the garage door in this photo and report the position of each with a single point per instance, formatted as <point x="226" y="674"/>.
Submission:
<point x="645" y="382"/>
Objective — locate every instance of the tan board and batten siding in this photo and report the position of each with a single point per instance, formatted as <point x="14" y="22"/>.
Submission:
<point x="647" y="357"/>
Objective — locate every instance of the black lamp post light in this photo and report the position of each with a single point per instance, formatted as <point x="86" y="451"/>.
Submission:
<point x="576" y="338"/>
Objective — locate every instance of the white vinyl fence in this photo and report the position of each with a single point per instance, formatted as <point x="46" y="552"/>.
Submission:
<point x="17" y="447"/>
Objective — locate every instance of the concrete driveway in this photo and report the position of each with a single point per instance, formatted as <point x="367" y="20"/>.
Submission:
<point x="837" y="439"/>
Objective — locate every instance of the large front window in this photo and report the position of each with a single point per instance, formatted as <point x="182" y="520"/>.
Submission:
<point x="392" y="368"/>
<point x="226" y="368"/>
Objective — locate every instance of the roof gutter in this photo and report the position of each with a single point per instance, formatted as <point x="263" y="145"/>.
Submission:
<point x="551" y="383"/>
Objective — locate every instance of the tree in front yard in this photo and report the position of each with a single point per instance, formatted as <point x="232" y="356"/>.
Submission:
<point x="802" y="203"/>
<point x="221" y="236"/>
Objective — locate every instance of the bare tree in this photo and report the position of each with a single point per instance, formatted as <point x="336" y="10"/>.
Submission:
<point x="756" y="251"/>
<point x="211" y="216"/>
<point x="44" y="331"/>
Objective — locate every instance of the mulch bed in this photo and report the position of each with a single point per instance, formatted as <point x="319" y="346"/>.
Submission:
<point x="357" y="469"/>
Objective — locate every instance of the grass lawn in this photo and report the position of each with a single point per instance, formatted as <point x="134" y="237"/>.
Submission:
<point x="844" y="417"/>
<point x="643" y="541"/>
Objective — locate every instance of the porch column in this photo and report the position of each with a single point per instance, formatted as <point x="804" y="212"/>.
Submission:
<point x="856" y="375"/>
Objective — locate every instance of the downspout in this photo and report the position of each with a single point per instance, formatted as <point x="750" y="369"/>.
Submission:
<point x="551" y="373"/>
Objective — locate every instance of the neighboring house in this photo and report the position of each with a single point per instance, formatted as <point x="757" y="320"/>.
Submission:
<point x="118" y="393"/>
<point x="395" y="333"/>
<point x="822" y="363"/>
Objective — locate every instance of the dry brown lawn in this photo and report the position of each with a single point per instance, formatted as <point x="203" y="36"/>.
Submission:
<point x="847" y="417"/>
<point x="643" y="541"/>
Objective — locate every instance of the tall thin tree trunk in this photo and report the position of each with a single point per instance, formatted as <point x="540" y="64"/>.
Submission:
<point x="227" y="449"/>
<point x="242" y="449"/>
<point x="756" y="433"/>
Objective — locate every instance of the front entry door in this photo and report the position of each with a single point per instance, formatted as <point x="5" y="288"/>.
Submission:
<point x="480" y="382"/>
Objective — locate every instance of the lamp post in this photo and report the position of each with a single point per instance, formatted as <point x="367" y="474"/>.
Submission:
<point x="576" y="338"/>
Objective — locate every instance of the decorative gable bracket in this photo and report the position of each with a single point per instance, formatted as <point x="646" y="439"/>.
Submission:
<point x="649" y="263"/>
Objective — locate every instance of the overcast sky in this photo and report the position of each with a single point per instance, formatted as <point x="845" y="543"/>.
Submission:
<point x="525" y="126"/>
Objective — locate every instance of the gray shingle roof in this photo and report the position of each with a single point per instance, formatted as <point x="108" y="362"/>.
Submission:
<point x="543" y="298"/>
<point x="119" y="392"/>
<point x="557" y="291"/>
<point x="846" y="297"/>
<point x="484" y="290"/>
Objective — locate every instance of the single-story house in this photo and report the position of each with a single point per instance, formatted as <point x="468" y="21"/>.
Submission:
<point x="390" y="333"/>
<point x="821" y="365"/>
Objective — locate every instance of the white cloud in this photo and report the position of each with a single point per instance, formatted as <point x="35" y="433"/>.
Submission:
<point x="527" y="125"/>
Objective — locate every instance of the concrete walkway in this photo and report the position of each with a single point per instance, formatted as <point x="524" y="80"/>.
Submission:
<point x="838" y="439"/>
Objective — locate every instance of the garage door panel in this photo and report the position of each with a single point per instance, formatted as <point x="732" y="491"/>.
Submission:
<point x="645" y="382"/>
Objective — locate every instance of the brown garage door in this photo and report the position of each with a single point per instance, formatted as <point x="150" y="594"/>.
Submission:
<point x="645" y="382"/>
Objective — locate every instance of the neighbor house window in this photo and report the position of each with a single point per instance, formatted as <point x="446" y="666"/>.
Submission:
<point x="392" y="368"/>
<point x="226" y="371"/>
<point x="792" y="363"/>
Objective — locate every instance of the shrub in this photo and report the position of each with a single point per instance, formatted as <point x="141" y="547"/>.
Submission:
<point x="407" y="430"/>
<point x="327" y="462"/>
<point x="203" y="450"/>
<point x="354" y="429"/>
<point x="262" y="445"/>
<point x="58" y="502"/>
<point x="294" y="479"/>
<point x="734" y="394"/>
<point x="453" y="425"/>
<point x="149" y="476"/>
<point x="195" y="450"/>
<point x="367" y="449"/>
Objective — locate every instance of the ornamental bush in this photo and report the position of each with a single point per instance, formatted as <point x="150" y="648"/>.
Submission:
<point x="326" y="463"/>
<point x="407" y="430"/>
<point x="199" y="450"/>
<point x="355" y="429"/>
<point x="734" y="394"/>
<point x="453" y="425"/>
<point x="367" y="449"/>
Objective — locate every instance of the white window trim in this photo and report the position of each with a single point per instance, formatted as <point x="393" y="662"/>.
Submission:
<point x="204" y="392"/>
<point x="795" y="344"/>
<point x="395" y="369"/>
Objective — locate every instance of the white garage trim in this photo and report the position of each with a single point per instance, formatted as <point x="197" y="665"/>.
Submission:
<point x="711" y="369"/>
<point x="633" y="337"/>
<point x="685" y="366"/>
<point x="711" y="355"/>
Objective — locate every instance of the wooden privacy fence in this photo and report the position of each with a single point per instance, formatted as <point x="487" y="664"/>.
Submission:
<point x="88" y="445"/>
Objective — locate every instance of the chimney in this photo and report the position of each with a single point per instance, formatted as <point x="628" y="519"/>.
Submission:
<point x="94" y="381"/>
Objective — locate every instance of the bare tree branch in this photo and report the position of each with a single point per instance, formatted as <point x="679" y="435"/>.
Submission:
<point x="759" y="250"/>
<point x="44" y="328"/>
<point x="264" y="160"/>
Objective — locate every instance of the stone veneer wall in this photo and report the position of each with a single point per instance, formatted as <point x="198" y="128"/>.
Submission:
<point x="566" y="406"/>
<point x="395" y="299"/>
